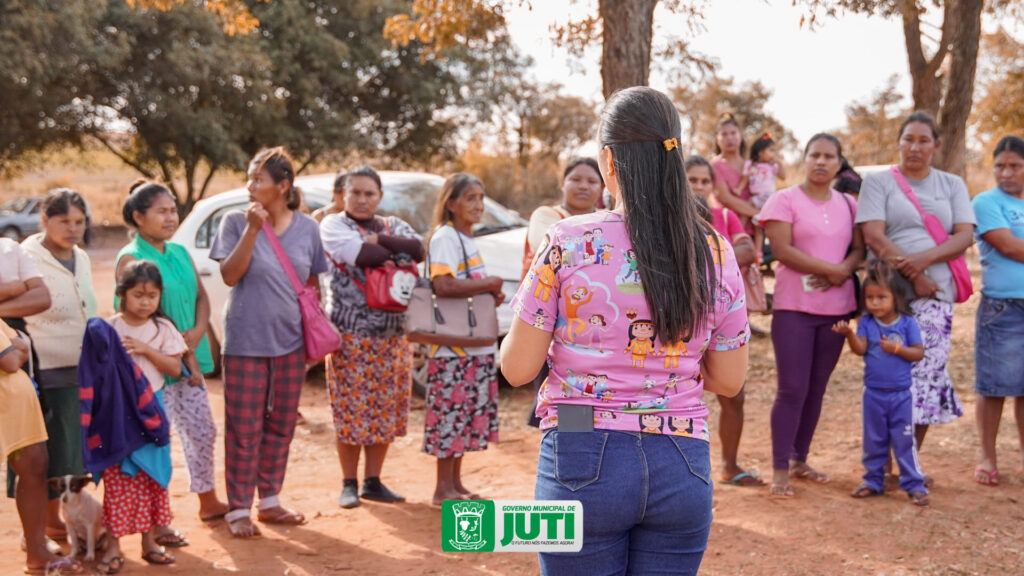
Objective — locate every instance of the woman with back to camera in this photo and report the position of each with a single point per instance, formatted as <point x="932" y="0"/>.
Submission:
<point x="264" y="354"/>
<point x="67" y="273"/>
<point x="812" y="232"/>
<point x="895" y="231"/>
<point x="999" y="328"/>
<point x="623" y="413"/>
<point x="368" y="378"/>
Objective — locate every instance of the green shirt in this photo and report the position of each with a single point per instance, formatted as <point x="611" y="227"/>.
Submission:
<point x="181" y="288"/>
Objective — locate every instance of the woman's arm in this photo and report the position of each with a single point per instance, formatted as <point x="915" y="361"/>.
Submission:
<point x="780" y="234"/>
<point x="1005" y="243"/>
<point x="523" y="352"/>
<point x="193" y="335"/>
<point x="732" y="201"/>
<point x="237" y="262"/>
<point x="743" y="248"/>
<point x="12" y="358"/>
<point x="398" y="245"/>
<point x="33" y="298"/>
<point x="913" y="264"/>
<point x="725" y="371"/>
<point x="447" y="286"/>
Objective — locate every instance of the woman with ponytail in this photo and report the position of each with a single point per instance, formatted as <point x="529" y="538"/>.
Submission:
<point x="264" y="356"/>
<point x="623" y="412"/>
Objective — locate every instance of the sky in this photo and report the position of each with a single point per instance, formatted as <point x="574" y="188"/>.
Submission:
<point x="813" y="74"/>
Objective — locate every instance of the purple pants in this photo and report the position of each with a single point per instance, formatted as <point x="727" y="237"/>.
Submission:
<point x="806" y="352"/>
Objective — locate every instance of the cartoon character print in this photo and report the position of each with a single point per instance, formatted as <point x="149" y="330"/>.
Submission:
<point x="589" y="254"/>
<point x="646" y="384"/>
<point x="646" y="405"/>
<point x="575" y="297"/>
<point x="597" y="327"/>
<point x="651" y="423"/>
<point x="641" y="339"/>
<point x="605" y="415"/>
<point x="546" y="278"/>
<point x="538" y="318"/>
<point x="629" y="274"/>
<point x="602" y="254"/>
<point x="672" y="384"/>
<point x="681" y="426"/>
<point x="672" y="353"/>
<point x="602" y="391"/>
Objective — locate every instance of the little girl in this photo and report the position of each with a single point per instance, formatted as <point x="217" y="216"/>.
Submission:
<point x="890" y="341"/>
<point x="760" y="173"/>
<point x="135" y="498"/>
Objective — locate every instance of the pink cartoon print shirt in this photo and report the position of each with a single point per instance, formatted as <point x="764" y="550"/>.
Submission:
<point x="585" y="288"/>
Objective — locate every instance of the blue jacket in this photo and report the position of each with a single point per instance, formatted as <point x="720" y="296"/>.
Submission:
<point x="120" y="412"/>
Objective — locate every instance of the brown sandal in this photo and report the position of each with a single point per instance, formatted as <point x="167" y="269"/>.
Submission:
<point x="865" y="491"/>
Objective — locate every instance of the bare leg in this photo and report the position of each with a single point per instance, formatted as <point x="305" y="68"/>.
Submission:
<point x="445" y="489"/>
<point x="55" y="526"/>
<point x="211" y="507"/>
<point x="1018" y="414"/>
<point x="730" y="429"/>
<point x="374" y="460"/>
<point x="348" y="455"/>
<point x="457" y="478"/>
<point x="920" y="430"/>
<point x="30" y="464"/>
<point x="988" y="412"/>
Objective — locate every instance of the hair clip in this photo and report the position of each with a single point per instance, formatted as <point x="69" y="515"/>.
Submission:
<point x="767" y="136"/>
<point x="670" y="144"/>
<point x="726" y="115"/>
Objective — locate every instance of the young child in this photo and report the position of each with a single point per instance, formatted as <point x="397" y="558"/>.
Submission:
<point x="760" y="172"/>
<point x="889" y="339"/>
<point x="135" y="498"/>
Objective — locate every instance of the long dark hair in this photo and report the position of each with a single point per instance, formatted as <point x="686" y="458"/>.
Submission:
<point x="280" y="166"/>
<point x="453" y="187"/>
<point x="724" y="120"/>
<point x="880" y="273"/>
<point x="759" y="146"/>
<point x="135" y="273"/>
<point x="670" y="238"/>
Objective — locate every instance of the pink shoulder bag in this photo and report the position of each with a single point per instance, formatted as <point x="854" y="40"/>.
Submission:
<point x="958" y="265"/>
<point x="318" y="332"/>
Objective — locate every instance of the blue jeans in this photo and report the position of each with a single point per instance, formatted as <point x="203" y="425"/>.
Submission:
<point x="998" y="340"/>
<point x="646" y="500"/>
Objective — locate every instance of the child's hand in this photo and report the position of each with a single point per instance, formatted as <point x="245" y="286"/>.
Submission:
<point x="888" y="346"/>
<point x="842" y="327"/>
<point x="133" y="346"/>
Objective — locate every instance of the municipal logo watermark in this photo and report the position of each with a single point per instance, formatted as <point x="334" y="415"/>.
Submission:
<point x="512" y="526"/>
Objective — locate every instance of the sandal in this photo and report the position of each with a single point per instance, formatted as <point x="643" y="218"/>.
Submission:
<point x="865" y="491"/>
<point x="919" y="498"/>
<point x="57" y="567"/>
<point x="283" y="516"/>
<point x="158" y="557"/>
<point x="781" y="491"/>
<point x="986" y="477"/>
<point x="244" y="528"/>
<point x="112" y="566"/>
<point x="808" y="473"/>
<point x="172" y="539"/>
<point x="748" y="478"/>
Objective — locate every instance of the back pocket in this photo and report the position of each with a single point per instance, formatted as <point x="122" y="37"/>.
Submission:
<point x="696" y="454"/>
<point x="578" y="457"/>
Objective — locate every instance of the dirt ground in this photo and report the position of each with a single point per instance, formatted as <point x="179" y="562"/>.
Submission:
<point x="969" y="529"/>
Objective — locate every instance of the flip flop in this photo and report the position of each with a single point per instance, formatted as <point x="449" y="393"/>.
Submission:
<point x="988" y="478"/>
<point x="158" y="557"/>
<point x="811" y="475"/>
<point x="748" y="478"/>
<point x="212" y="518"/>
<point x="286" y="517"/>
<point x="112" y="566"/>
<point x="919" y="498"/>
<point x="865" y="491"/>
<point x="172" y="539"/>
<point x="57" y="567"/>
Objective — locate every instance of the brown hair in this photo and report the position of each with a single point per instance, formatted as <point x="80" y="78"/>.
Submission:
<point x="453" y="187"/>
<point x="724" y="120"/>
<point x="880" y="273"/>
<point x="920" y="117"/>
<point x="280" y="166"/>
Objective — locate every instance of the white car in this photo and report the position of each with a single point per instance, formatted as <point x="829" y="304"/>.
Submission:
<point x="408" y="195"/>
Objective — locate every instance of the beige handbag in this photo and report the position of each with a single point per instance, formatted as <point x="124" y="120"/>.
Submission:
<point x="463" y="322"/>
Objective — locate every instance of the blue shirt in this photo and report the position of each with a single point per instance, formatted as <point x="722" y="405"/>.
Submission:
<point x="883" y="371"/>
<point x="1001" y="277"/>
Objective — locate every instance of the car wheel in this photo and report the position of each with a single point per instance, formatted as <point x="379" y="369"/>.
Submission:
<point x="420" y="363"/>
<point x="12" y="233"/>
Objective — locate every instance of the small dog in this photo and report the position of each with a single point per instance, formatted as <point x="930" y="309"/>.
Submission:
<point x="83" y="515"/>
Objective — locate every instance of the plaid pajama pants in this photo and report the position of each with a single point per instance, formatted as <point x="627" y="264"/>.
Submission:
<point x="261" y="402"/>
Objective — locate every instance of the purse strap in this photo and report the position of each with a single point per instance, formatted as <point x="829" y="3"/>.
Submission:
<point x="908" y="190"/>
<point x="362" y="232"/>
<point x="465" y="257"/>
<point x="282" y="256"/>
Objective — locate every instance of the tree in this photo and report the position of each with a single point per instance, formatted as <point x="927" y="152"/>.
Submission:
<point x="234" y="15"/>
<point x="942" y="80"/>
<point x="872" y="127"/>
<point x="999" y="110"/>
<point x="702" y="104"/>
<point x="625" y="29"/>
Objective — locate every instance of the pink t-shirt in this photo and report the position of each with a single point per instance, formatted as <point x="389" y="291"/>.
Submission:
<point x="161" y="335"/>
<point x="725" y="172"/>
<point x="726" y="223"/>
<point x="822" y="230"/>
<point x="604" y="352"/>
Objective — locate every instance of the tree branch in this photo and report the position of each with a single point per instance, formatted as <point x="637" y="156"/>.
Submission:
<point x="124" y="157"/>
<point x="944" y="40"/>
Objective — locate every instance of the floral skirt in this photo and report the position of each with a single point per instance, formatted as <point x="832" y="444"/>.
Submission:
<point x="462" y="405"/>
<point x="935" y="400"/>
<point x="133" y="505"/>
<point x="368" y="382"/>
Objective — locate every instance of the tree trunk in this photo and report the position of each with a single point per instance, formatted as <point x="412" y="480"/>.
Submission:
<point x="956" y="106"/>
<point x="626" y="43"/>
